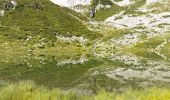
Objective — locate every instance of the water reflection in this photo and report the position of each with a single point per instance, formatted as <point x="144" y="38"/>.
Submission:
<point x="116" y="70"/>
<point x="45" y="69"/>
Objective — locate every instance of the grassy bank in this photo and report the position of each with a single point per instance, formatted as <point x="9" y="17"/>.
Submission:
<point x="29" y="91"/>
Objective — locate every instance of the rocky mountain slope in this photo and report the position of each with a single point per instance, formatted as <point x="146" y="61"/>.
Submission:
<point x="126" y="40"/>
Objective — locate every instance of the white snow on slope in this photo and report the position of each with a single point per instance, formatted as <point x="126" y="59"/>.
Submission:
<point x="70" y="3"/>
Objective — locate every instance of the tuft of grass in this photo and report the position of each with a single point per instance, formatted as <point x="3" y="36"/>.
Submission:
<point x="27" y="90"/>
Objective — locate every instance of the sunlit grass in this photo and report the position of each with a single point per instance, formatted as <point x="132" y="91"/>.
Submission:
<point x="29" y="91"/>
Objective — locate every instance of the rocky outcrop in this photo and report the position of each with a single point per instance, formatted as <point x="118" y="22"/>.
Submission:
<point x="2" y="12"/>
<point x="10" y="5"/>
<point x="71" y="3"/>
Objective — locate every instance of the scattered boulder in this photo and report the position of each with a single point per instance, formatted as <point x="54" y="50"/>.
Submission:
<point x="37" y="5"/>
<point x="92" y="12"/>
<point x="8" y="5"/>
<point x="2" y="12"/>
<point x="80" y="8"/>
<point x="103" y="7"/>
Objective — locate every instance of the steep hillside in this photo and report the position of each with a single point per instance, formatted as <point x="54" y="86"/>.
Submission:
<point x="44" y="18"/>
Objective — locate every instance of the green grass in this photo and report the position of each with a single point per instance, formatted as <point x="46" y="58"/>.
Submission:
<point x="29" y="91"/>
<point x="145" y="48"/>
<point x="104" y="2"/>
<point x="50" y="21"/>
<point x="103" y="14"/>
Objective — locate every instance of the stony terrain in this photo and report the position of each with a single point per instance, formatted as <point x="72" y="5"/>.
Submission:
<point x="126" y="43"/>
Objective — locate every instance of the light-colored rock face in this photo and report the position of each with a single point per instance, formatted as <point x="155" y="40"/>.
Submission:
<point x="148" y="2"/>
<point x="123" y="2"/>
<point x="71" y="3"/>
<point x="130" y="21"/>
<point x="14" y="3"/>
<point x="129" y="2"/>
<point x="150" y="20"/>
<point x="2" y="12"/>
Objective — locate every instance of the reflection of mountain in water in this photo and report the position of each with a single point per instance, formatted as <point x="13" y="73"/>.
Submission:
<point x="134" y="53"/>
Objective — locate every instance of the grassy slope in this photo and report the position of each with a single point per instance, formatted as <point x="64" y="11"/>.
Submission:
<point x="25" y="21"/>
<point x="50" y="21"/>
<point x="43" y="26"/>
<point x="105" y="13"/>
<point x="29" y="91"/>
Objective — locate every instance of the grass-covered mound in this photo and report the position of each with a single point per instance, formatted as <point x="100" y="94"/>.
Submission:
<point x="29" y="91"/>
<point x="34" y="17"/>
